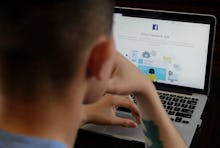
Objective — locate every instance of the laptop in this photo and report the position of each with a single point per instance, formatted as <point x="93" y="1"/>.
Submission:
<point x="174" y="49"/>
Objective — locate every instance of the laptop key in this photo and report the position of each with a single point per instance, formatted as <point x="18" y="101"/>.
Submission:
<point x="171" y="112"/>
<point x="169" y="108"/>
<point x="182" y="100"/>
<point x="170" y="103"/>
<point x="186" y="122"/>
<point x="178" y="119"/>
<point x="184" y="105"/>
<point x="168" y="98"/>
<point x="191" y="107"/>
<point x="188" y="111"/>
<point x="163" y="101"/>
<point x="177" y="104"/>
<point x="183" y="115"/>
<point x="175" y="99"/>
<point x="162" y="97"/>
<point x="195" y="99"/>
<point x="187" y="98"/>
<point x="177" y="109"/>
<point x="192" y="102"/>
<point x="164" y="106"/>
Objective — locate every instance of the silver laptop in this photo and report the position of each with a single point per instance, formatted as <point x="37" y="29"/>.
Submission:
<point x="175" y="50"/>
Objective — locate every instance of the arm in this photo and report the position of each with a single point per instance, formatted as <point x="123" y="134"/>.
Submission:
<point x="127" y="79"/>
<point x="103" y="111"/>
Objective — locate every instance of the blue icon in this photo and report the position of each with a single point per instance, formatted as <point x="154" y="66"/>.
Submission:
<point x="134" y="56"/>
<point x="140" y="61"/>
<point x="155" y="27"/>
<point x="160" y="73"/>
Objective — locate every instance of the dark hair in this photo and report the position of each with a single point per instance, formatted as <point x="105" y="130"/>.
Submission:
<point x="43" y="42"/>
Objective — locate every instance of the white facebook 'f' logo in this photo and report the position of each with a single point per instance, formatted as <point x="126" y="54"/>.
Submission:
<point x="155" y="27"/>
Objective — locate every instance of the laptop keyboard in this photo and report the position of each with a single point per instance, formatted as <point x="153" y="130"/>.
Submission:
<point x="179" y="107"/>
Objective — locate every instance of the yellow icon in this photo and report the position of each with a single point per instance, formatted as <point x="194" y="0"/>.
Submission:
<point x="151" y="75"/>
<point x="167" y="59"/>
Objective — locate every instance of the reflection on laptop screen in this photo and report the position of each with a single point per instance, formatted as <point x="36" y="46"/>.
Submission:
<point x="169" y="52"/>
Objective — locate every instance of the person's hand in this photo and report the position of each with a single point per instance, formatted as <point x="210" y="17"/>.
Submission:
<point x="103" y="112"/>
<point x="126" y="78"/>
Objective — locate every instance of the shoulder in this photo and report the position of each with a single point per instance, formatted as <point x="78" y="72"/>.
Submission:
<point x="11" y="140"/>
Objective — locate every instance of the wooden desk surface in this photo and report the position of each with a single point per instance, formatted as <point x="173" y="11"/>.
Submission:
<point x="207" y="134"/>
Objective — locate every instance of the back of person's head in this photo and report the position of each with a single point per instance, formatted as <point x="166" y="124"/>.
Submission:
<point x="42" y="42"/>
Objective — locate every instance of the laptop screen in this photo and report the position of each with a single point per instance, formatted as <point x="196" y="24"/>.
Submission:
<point x="168" y="51"/>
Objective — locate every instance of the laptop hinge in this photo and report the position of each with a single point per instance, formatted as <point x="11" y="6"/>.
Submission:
<point x="176" y="90"/>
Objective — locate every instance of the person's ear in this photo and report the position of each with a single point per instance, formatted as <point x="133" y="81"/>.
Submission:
<point x="101" y="58"/>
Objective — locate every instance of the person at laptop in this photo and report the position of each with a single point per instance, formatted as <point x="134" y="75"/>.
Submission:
<point x="54" y="57"/>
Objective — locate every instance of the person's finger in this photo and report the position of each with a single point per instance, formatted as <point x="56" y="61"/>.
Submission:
<point x="124" y="122"/>
<point x="127" y="103"/>
<point x="135" y="114"/>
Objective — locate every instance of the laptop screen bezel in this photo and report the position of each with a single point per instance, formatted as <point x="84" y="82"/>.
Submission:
<point x="183" y="17"/>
